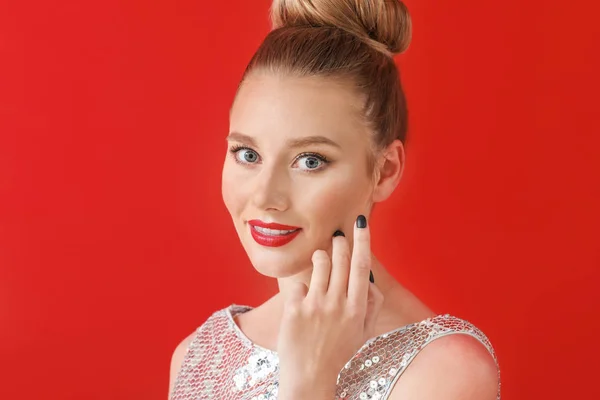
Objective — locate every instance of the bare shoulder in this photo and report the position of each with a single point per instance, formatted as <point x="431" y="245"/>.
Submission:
<point x="451" y="367"/>
<point x="177" y="359"/>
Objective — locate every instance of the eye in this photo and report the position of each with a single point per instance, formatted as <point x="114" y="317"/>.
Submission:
<point x="312" y="161"/>
<point x="244" y="155"/>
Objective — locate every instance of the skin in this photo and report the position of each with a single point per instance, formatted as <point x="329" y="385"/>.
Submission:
<point x="325" y="325"/>
<point x="274" y="184"/>
<point x="276" y="187"/>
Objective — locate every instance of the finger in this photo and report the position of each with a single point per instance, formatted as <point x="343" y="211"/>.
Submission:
<point x="360" y="265"/>
<point x="374" y="305"/>
<point x="340" y="268"/>
<point x="295" y="292"/>
<point x="319" y="280"/>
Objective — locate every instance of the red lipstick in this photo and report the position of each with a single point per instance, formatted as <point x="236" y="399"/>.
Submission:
<point x="272" y="240"/>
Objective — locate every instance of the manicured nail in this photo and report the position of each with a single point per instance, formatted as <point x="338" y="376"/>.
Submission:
<point x="361" y="221"/>
<point x="338" y="233"/>
<point x="371" y="277"/>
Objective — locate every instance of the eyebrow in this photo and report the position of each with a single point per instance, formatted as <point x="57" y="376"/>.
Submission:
<point x="293" y="143"/>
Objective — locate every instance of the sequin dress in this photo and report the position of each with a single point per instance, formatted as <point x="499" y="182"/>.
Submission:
<point x="222" y="363"/>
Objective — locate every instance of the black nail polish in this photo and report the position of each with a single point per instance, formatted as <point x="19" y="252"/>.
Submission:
<point x="338" y="233"/>
<point x="371" y="277"/>
<point x="361" y="221"/>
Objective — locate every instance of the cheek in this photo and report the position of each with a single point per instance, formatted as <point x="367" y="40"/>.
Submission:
<point x="230" y="191"/>
<point x="336" y="202"/>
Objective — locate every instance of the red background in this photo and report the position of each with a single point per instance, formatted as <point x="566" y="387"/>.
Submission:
<point x="115" y="243"/>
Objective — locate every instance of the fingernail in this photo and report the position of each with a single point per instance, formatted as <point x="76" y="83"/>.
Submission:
<point x="371" y="276"/>
<point x="361" y="221"/>
<point x="338" y="233"/>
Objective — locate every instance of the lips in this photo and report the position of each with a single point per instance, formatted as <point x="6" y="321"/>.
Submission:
<point x="272" y="240"/>
<point x="272" y="225"/>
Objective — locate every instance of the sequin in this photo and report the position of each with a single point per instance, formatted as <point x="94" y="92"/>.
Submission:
<point x="222" y="363"/>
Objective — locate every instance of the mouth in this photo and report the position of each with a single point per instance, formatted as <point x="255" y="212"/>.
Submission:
<point x="272" y="234"/>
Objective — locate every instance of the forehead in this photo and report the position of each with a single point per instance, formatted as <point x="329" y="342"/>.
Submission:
<point x="274" y="105"/>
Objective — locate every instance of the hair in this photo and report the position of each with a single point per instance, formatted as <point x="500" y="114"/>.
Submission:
<point x="349" y="40"/>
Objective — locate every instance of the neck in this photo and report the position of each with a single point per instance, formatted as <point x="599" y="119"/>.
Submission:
<point x="400" y="307"/>
<point x="385" y="282"/>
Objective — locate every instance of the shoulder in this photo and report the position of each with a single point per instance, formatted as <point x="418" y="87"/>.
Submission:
<point x="177" y="359"/>
<point x="182" y="347"/>
<point x="452" y="367"/>
<point x="218" y="317"/>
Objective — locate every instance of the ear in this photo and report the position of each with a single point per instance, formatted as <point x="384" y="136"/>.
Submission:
<point x="390" y="166"/>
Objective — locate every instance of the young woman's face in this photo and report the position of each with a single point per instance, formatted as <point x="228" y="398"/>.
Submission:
<point x="275" y="172"/>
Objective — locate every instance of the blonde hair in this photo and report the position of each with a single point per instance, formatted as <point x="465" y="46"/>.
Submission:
<point x="353" y="40"/>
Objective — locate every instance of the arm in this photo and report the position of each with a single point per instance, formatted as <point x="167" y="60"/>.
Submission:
<point x="454" y="367"/>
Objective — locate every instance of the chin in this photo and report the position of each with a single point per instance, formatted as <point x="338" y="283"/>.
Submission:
<point x="276" y="265"/>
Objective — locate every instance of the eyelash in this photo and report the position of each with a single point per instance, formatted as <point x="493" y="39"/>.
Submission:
<point x="234" y="149"/>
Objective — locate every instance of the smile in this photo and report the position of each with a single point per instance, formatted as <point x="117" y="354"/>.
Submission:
<point x="273" y="237"/>
<point x="273" y="232"/>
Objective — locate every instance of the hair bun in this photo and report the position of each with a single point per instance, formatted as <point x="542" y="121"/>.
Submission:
<point x="384" y="24"/>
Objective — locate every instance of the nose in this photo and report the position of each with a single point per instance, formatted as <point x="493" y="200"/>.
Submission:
<point x="271" y="188"/>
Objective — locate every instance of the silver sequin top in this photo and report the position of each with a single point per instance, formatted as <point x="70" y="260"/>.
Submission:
<point x="222" y="363"/>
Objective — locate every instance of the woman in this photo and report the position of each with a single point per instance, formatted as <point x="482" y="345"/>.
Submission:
<point x="317" y="133"/>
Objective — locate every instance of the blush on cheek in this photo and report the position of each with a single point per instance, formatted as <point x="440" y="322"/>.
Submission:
<point x="331" y="207"/>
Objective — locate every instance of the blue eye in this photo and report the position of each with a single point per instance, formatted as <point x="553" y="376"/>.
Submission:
<point x="249" y="155"/>
<point x="314" y="161"/>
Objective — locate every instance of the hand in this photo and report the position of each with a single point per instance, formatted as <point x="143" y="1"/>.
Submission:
<point x="324" y="326"/>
